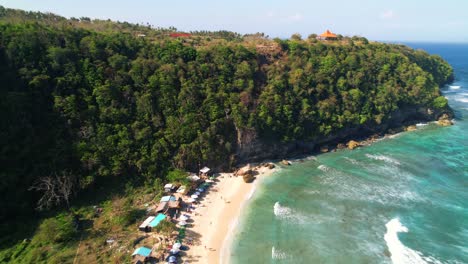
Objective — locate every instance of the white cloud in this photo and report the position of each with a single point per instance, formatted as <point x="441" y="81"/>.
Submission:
<point x="389" y="14"/>
<point x="270" y="14"/>
<point x="296" y="17"/>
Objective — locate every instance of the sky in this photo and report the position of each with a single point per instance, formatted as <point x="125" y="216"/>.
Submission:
<point x="385" y="20"/>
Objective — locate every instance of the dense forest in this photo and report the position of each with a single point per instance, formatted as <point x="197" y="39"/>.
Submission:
<point x="88" y="106"/>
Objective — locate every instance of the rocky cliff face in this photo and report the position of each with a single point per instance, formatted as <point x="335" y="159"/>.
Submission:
<point x="252" y="148"/>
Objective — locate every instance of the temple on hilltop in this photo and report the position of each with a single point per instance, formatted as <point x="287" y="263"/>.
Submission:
<point x="327" y="35"/>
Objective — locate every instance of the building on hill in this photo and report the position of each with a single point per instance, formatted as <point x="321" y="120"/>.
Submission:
<point x="327" y="35"/>
<point x="180" y="35"/>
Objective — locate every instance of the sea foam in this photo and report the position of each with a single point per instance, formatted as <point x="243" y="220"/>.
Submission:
<point x="383" y="158"/>
<point x="400" y="254"/>
<point x="455" y="87"/>
<point x="277" y="254"/>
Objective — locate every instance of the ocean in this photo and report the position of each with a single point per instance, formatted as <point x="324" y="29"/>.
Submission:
<point x="403" y="199"/>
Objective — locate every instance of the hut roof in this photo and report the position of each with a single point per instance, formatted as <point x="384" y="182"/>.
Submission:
<point x="157" y="220"/>
<point x="142" y="251"/>
<point x="168" y="198"/>
<point x="205" y="170"/>
<point x="328" y="34"/>
<point x="161" y="207"/>
<point x="146" y="222"/>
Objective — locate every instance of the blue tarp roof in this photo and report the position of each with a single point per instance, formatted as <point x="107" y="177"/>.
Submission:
<point x="142" y="251"/>
<point x="157" y="220"/>
<point x="168" y="198"/>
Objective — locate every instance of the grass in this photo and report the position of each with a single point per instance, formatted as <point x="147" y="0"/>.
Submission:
<point x="53" y="239"/>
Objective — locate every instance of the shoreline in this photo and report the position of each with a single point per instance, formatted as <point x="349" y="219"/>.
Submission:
<point x="217" y="216"/>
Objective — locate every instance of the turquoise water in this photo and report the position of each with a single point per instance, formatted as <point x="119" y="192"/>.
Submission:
<point x="401" y="200"/>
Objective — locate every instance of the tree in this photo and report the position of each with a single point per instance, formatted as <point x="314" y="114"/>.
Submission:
<point x="296" y="36"/>
<point x="55" y="189"/>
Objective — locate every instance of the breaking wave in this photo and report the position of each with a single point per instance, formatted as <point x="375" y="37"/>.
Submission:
<point x="383" y="158"/>
<point x="323" y="168"/>
<point x="277" y="254"/>
<point x="400" y="254"/>
<point x="286" y="213"/>
<point x="455" y="87"/>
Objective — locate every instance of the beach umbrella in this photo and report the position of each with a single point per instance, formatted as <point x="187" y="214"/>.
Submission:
<point x="172" y="259"/>
<point x="175" y="251"/>
<point x="194" y="196"/>
<point x="182" y="223"/>
<point x="176" y="245"/>
<point x="200" y="189"/>
<point x="197" y="193"/>
<point x="184" y="218"/>
<point x="191" y="200"/>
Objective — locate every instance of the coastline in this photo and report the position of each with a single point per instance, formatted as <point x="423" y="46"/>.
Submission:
<point x="217" y="216"/>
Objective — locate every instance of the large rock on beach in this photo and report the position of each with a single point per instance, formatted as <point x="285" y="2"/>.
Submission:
<point x="353" y="144"/>
<point x="411" y="128"/>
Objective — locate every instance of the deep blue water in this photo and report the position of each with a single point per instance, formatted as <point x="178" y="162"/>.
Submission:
<point x="402" y="200"/>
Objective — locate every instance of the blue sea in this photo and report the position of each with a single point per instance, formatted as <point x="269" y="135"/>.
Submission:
<point x="401" y="200"/>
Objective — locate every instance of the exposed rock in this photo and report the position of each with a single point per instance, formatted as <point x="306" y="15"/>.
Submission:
<point x="324" y="149"/>
<point x="244" y="170"/>
<point x="271" y="166"/>
<point x="411" y="128"/>
<point x="353" y="144"/>
<point x="396" y="130"/>
<point x="248" y="178"/>
<point x="341" y="146"/>
<point x="444" y="122"/>
<point x="286" y="162"/>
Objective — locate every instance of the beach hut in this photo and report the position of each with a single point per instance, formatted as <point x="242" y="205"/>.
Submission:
<point x="155" y="222"/>
<point x="145" y="225"/>
<point x="182" y="190"/>
<point x="327" y="35"/>
<point x="205" y="171"/>
<point x="168" y="198"/>
<point x="169" y="187"/>
<point x="141" y="255"/>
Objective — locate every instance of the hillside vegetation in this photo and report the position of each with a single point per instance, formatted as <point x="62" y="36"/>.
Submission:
<point x="95" y="104"/>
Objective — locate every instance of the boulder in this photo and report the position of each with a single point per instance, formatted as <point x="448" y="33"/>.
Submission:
<point x="244" y="170"/>
<point x="353" y="144"/>
<point x="324" y="149"/>
<point x="271" y="166"/>
<point x="341" y="146"/>
<point x="411" y="128"/>
<point x="248" y="178"/>
<point x="444" y="122"/>
<point x="286" y="162"/>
